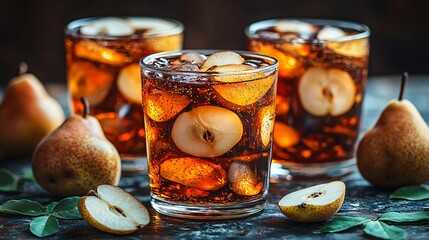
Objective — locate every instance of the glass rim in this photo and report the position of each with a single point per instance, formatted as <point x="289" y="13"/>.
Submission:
<point x="364" y="30"/>
<point x="69" y="27"/>
<point x="145" y="66"/>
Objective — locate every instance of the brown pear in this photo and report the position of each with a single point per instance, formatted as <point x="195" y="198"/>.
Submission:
<point x="395" y="152"/>
<point x="76" y="157"/>
<point x="27" y="114"/>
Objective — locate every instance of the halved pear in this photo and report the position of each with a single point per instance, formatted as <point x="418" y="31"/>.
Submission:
<point x="161" y="106"/>
<point x="194" y="172"/>
<point x="265" y="123"/>
<point x="314" y="204"/>
<point x="86" y="80"/>
<point x="129" y="83"/>
<point x="324" y="91"/>
<point x="207" y="131"/>
<point x="241" y="88"/>
<point x="220" y="59"/>
<point x="113" y="210"/>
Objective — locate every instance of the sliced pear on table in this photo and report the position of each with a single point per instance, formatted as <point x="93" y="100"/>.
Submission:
<point x="314" y="204"/>
<point x="113" y="210"/>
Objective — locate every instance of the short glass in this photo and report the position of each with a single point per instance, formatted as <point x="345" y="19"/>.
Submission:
<point x="209" y="131"/>
<point x="103" y="56"/>
<point x="322" y="75"/>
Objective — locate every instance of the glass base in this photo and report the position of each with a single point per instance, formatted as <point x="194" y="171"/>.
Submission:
<point x="209" y="211"/>
<point x="133" y="165"/>
<point x="281" y="172"/>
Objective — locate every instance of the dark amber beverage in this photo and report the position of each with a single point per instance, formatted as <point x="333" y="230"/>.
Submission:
<point x="209" y="118"/>
<point x="322" y="75"/>
<point x="103" y="65"/>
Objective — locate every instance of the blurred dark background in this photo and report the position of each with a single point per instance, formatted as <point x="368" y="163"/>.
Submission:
<point x="32" y="30"/>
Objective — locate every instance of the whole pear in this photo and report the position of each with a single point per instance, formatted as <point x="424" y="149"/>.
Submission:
<point x="395" y="152"/>
<point x="76" y="157"/>
<point x="27" y="114"/>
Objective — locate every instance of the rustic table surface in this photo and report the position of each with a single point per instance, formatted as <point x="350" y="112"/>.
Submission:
<point x="361" y="198"/>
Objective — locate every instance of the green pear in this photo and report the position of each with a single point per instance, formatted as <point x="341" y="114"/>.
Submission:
<point x="27" y="114"/>
<point x="76" y="157"/>
<point x="395" y="152"/>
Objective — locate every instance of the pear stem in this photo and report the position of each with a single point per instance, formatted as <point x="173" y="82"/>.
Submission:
<point x="403" y="81"/>
<point x="85" y="103"/>
<point x="23" y="68"/>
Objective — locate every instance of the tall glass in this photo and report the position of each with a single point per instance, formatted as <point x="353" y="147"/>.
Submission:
<point x="322" y="75"/>
<point x="209" y="119"/>
<point x="103" y="56"/>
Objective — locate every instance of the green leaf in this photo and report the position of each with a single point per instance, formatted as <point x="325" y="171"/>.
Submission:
<point x="50" y="207"/>
<point x="44" y="226"/>
<point x="404" y="217"/>
<point x="67" y="208"/>
<point x="342" y="223"/>
<point x="381" y="230"/>
<point x="8" y="180"/>
<point x="411" y="193"/>
<point x="23" y="207"/>
<point x="27" y="176"/>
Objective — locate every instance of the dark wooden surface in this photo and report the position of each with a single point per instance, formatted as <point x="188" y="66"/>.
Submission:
<point x="361" y="198"/>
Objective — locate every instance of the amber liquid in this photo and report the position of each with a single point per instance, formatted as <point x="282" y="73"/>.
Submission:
<point x="241" y="173"/>
<point x="94" y="67"/>
<point x="300" y="137"/>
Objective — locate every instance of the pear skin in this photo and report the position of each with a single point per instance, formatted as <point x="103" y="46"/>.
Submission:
<point x="395" y="152"/>
<point x="75" y="158"/>
<point x="27" y="114"/>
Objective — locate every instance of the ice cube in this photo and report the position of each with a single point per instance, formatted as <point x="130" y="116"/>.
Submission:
<point x="220" y="59"/>
<point x="188" y="67"/>
<point x="129" y="83"/>
<point x="161" y="106"/>
<point x="242" y="180"/>
<point x="330" y="33"/>
<point x="90" y="50"/>
<point x="193" y="57"/>
<point x="110" y="26"/>
<point x="294" y="26"/>
<point x="153" y="25"/>
<point x="86" y="80"/>
<point x="194" y="172"/>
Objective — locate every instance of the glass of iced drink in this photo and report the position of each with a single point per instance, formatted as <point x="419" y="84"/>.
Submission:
<point x="209" y="118"/>
<point x="322" y="75"/>
<point x="103" y="66"/>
